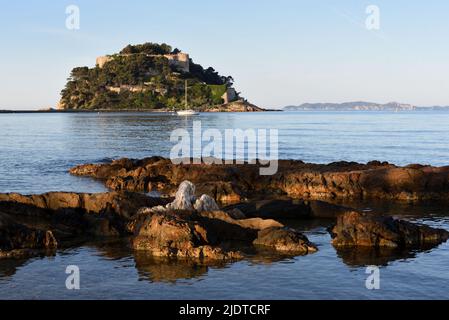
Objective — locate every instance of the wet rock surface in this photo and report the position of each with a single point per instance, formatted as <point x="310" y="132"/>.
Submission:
<point x="284" y="240"/>
<point x="356" y="229"/>
<point x="191" y="225"/>
<point x="296" y="179"/>
<point x="187" y="227"/>
<point x="17" y="240"/>
<point x="178" y="231"/>
<point x="29" y="223"/>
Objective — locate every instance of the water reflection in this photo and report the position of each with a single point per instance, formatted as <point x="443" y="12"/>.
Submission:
<point x="158" y="269"/>
<point x="149" y="268"/>
<point x="169" y="270"/>
<point x="9" y="267"/>
<point x="362" y="257"/>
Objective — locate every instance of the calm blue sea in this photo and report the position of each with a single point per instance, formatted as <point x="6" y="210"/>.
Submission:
<point x="36" y="151"/>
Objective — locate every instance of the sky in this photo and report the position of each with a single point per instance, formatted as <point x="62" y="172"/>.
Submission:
<point x="283" y="52"/>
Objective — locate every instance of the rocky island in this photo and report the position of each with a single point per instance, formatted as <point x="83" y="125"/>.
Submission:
<point x="150" y="77"/>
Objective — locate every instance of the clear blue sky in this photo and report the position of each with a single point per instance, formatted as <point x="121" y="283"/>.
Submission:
<point x="279" y="52"/>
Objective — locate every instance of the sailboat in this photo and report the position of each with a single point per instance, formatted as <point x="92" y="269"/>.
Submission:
<point x="186" y="111"/>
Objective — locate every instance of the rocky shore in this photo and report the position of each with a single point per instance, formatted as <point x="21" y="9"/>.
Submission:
<point x="191" y="221"/>
<point x="294" y="179"/>
<point x="187" y="227"/>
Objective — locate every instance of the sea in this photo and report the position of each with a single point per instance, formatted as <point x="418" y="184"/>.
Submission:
<point x="38" y="149"/>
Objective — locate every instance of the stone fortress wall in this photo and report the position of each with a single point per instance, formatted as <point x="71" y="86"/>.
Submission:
<point x="180" y="60"/>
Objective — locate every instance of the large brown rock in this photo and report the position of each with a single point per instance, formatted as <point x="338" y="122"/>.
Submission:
<point x="124" y="204"/>
<point x="368" y="230"/>
<point x="209" y="235"/>
<point x="296" y="179"/>
<point x="188" y="227"/>
<point x="41" y="221"/>
<point x="178" y="234"/>
<point x="285" y="240"/>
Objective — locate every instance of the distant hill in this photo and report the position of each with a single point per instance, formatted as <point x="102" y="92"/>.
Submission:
<point x="352" y="106"/>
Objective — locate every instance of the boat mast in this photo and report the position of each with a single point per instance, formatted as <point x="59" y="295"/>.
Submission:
<point x="186" y="95"/>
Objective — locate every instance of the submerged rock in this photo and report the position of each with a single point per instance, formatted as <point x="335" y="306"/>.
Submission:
<point x="368" y="230"/>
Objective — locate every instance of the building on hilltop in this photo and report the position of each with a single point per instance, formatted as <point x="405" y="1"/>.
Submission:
<point x="180" y="61"/>
<point x="101" y="61"/>
<point x="230" y="95"/>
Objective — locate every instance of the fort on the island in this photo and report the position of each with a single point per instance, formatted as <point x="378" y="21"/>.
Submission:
<point x="180" y="61"/>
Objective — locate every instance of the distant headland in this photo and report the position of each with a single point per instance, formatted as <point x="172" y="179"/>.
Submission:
<point x="362" y="106"/>
<point x="150" y="77"/>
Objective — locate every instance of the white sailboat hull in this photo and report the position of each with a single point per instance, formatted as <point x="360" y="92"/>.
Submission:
<point x="187" y="113"/>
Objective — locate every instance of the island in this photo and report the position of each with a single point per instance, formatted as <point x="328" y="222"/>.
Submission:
<point x="150" y="77"/>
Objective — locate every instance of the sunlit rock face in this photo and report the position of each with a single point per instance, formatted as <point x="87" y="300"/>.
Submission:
<point x="296" y="179"/>
<point x="356" y="229"/>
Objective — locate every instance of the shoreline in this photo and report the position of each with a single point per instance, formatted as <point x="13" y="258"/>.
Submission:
<point x="164" y="111"/>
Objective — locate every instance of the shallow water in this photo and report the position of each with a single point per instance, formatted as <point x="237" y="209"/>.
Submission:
<point x="36" y="150"/>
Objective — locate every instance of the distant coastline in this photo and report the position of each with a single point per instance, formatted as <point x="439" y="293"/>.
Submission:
<point x="362" y="106"/>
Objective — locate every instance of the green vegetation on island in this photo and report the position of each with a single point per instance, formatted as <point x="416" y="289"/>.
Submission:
<point x="147" y="76"/>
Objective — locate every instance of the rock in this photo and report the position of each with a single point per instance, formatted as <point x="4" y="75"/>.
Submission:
<point x="287" y="209"/>
<point x="368" y="230"/>
<point x="252" y="223"/>
<point x="235" y="106"/>
<point x="185" y="200"/>
<point x="206" y="203"/>
<point x="172" y="234"/>
<point x="295" y="179"/>
<point x="284" y="240"/>
<point x="18" y="240"/>
<point x="39" y="222"/>
<point x="184" y="228"/>
<point x="206" y="235"/>
<point x="277" y="209"/>
<point x="185" y="197"/>
<point x="235" y="213"/>
<point x="123" y="204"/>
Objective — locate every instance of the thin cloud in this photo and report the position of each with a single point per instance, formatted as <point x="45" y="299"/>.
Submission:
<point x="357" y="22"/>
